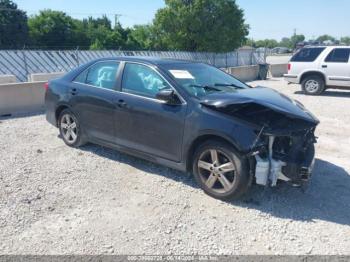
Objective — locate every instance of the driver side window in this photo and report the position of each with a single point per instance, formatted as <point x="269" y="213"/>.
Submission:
<point x="142" y="80"/>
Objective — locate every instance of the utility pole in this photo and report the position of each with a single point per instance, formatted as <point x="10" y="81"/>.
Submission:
<point x="116" y="19"/>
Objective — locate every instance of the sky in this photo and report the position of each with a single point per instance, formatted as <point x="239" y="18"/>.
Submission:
<point x="267" y="18"/>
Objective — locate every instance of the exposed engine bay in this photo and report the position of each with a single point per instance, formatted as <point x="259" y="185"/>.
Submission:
<point x="284" y="146"/>
<point x="287" y="158"/>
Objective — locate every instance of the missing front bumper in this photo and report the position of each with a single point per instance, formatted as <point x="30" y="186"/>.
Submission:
<point x="296" y="171"/>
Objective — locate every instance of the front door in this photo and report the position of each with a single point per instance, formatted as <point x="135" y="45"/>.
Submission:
<point x="336" y="67"/>
<point x="93" y="94"/>
<point x="145" y="123"/>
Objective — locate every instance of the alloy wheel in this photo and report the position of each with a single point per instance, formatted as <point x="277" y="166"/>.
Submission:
<point x="69" y="128"/>
<point x="216" y="170"/>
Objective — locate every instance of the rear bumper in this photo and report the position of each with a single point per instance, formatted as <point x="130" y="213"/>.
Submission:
<point x="50" y="107"/>
<point x="291" y="78"/>
<point x="51" y="118"/>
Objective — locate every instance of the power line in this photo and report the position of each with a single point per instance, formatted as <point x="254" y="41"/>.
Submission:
<point x="112" y="16"/>
<point x="70" y="13"/>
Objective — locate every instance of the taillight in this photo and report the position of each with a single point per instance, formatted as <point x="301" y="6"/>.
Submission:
<point x="289" y="66"/>
<point x="46" y="86"/>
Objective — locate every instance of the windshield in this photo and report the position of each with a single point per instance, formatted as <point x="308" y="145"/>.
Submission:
<point x="201" y="79"/>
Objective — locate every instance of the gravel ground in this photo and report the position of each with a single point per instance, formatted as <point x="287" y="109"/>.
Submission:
<point x="59" y="200"/>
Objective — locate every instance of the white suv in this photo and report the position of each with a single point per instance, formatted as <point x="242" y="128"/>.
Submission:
<point x="321" y="67"/>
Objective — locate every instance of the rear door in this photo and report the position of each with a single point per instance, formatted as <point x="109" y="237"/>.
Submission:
<point x="336" y="67"/>
<point x="144" y="123"/>
<point x="93" y="95"/>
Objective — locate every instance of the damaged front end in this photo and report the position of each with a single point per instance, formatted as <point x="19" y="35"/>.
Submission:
<point x="289" y="158"/>
<point x="284" y="145"/>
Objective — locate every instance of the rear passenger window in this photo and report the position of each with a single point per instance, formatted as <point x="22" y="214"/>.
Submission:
<point x="307" y="54"/>
<point x="102" y="74"/>
<point x="338" y="55"/>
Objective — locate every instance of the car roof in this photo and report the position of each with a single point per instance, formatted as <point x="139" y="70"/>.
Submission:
<point x="326" y="46"/>
<point x="149" y="60"/>
<point x="155" y="61"/>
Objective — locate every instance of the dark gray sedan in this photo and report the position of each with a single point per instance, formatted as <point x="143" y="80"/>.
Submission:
<point x="189" y="116"/>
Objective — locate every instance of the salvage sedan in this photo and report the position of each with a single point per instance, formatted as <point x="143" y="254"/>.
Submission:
<point x="188" y="116"/>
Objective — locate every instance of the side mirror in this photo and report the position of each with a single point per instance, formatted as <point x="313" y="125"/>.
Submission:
<point x="168" y="96"/>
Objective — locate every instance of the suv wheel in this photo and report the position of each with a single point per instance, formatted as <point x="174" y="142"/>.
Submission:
<point x="220" y="170"/>
<point x="70" y="129"/>
<point x="313" y="85"/>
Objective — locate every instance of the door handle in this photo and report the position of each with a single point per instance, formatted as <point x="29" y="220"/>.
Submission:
<point x="121" y="103"/>
<point x="324" y="66"/>
<point x="73" y="91"/>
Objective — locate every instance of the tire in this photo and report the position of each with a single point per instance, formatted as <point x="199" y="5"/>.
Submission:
<point x="70" y="131"/>
<point x="212" y="180"/>
<point x="313" y="85"/>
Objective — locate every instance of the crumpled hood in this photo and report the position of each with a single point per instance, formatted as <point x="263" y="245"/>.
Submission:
<point x="262" y="96"/>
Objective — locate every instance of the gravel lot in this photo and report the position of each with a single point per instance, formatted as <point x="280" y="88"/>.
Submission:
<point x="59" y="200"/>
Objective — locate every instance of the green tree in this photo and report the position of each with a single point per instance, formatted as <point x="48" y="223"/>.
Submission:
<point x="200" y="25"/>
<point x="101" y="35"/>
<point x="106" y="39"/>
<point x="54" y="29"/>
<point x="250" y="42"/>
<point x="79" y="37"/>
<point x="292" y="41"/>
<point x="345" y="40"/>
<point x="296" y="39"/>
<point x="269" y="43"/>
<point x="286" y="42"/>
<point x="323" y="38"/>
<point x="140" y="37"/>
<point x="13" y="26"/>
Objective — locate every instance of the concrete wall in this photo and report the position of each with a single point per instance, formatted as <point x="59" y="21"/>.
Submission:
<point x="4" y="79"/>
<point x="29" y="96"/>
<point x="278" y="59"/>
<point x="21" y="97"/>
<point x="44" y="76"/>
<point x="278" y="70"/>
<point x="244" y="73"/>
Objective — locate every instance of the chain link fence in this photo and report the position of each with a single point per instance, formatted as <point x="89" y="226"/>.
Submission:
<point x="22" y="63"/>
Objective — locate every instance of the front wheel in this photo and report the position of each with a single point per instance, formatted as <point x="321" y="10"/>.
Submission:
<point x="70" y="129"/>
<point x="313" y="85"/>
<point x="220" y="170"/>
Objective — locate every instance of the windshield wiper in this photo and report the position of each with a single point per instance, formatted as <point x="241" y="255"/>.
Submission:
<point x="222" y="84"/>
<point x="206" y="87"/>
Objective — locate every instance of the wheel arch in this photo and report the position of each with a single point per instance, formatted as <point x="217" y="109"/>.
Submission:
<point x="202" y="139"/>
<point x="314" y="72"/>
<point x="58" y="111"/>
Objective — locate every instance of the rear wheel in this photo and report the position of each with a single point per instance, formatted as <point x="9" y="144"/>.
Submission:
<point x="70" y="129"/>
<point x="220" y="170"/>
<point x="313" y="85"/>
